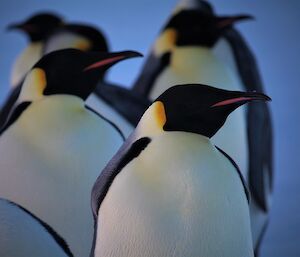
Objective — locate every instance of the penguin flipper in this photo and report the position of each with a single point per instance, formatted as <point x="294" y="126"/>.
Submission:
<point x="151" y="69"/>
<point x="22" y="233"/>
<point x="260" y="153"/>
<point x="130" y="150"/>
<point x="9" y="103"/>
<point x="126" y="102"/>
<point x="16" y="113"/>
<point x="259" y="122"/>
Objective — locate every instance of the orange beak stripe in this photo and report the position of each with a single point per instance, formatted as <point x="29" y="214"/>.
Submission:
<point x="232" y="101"/>
<point x="103" y="62"/>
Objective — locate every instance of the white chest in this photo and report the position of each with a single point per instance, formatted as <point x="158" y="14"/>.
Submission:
<point x="50" y="159"/>
<point x="180" y="197"/>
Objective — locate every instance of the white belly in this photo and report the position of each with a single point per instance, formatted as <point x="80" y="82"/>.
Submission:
<point x="180" y="197"/>
<point x="49" y="162"/>
<point x="201" y="65"/>
<point x="109" y="113"/>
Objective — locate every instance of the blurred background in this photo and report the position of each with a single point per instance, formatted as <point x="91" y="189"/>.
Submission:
<point x="273" y="36"/>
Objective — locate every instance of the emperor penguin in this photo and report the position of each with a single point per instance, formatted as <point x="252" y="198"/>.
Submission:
<point x="37" y="28"/>
<point x="169" y="191"/>
<point x="24" y="234"/>
<point x="197" y="46"/>
<point x="121" y="106"/>
<point x="53" y="145"/>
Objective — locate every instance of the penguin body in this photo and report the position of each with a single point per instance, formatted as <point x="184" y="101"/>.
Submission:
<point x="163" y="204"/>
<point x="168" y="191"/>
<point x="23" y="234"/>
<point x="218" y="55"/>
<point x="50" y="146"/>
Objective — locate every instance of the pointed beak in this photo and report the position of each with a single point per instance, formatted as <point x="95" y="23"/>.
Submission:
<point x="106" y="60"/>
<point x="242" y="98"/>
<point x="14" y="26"/>
<point x="21" y="26"/>
<point x="227" y="21"/>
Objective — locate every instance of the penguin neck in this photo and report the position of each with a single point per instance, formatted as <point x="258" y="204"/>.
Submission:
<point x="61" y="104"/>
<point x="197" y="64"/>
<point x="54" y="111"/>
<point x="67" y="40"/>
<point x="152" y="122"/>
<point x="25" y="61"/>
<point x="187" y="58"/>
<point x="33" y="86"/>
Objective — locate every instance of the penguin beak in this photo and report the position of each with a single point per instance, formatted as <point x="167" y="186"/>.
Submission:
<point x="243" y="98"/>
<point x="105" y="60"/>
<point x="227" y="21"/>
<point x="21" y="26"/>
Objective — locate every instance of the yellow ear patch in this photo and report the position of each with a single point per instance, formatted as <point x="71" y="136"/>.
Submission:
<point x="153" y="120"/>
<point x="82" y="44"/>
<point x="159" y="114"/>
<point x="165" y="42"/>
<point x="34" y="85"/>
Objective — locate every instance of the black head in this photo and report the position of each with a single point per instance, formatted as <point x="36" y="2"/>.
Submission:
<point x="38" y="26"/>
<point x="74" y="72"/>
<point x="200" y="26"/>
<point x="94" y="35"/>
<point x="200" y="5"/>
<point x="201" y="109"/>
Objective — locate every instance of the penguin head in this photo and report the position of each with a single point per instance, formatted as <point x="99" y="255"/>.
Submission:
<point x="194" y="25"/>
<point x="200" y="27"/>
<point x="69" y="71"/>
<point x="201" y="5"/>
<point x="38" y="26"/>
<point x="78" y="36"/>
<point x="198" y="108"/>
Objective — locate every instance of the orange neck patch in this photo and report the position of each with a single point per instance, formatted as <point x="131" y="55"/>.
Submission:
<point x="165" y="42"/>
<point x="153" y="120"/>
<point x="159" y="114"/>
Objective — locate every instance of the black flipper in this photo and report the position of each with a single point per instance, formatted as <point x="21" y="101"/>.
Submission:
<point x="57" y="238"/>
<point x="9" y="103"/>
<point x="130" y="150"/>
<point x="153" y="66"/>
<point x="14" y="115"/>
<point x="258" y="245"/>
<point x="259" y="125"/>
<point x="127" y="103"/>
<point x="238" y="171"/>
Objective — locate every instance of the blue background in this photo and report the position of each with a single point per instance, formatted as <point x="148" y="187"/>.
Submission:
<point x="274" y="37"/>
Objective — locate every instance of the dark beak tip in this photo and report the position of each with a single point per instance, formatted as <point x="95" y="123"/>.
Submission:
<point x="10" y="27"/>
<point x="132" y="54"/>
<point x="246" y="17"/>
<point x="262" y="97"/>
